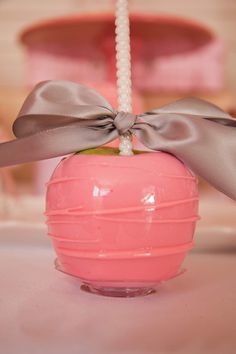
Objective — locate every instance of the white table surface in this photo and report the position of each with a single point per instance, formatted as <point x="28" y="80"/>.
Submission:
<point x="43" y="311"/>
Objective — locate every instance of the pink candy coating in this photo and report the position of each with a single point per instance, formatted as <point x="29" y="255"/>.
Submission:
<point x="122" y="221"/>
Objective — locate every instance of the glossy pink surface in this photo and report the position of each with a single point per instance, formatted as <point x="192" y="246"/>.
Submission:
<point x="122" y="221"/>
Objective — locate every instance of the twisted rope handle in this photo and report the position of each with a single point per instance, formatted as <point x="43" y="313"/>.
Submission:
<point x="123" y="68"/>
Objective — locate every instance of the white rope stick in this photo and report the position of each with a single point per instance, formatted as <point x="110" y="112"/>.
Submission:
<point x="123" y="66"/>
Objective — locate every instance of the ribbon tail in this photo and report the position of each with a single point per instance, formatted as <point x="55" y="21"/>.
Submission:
<point x="52" y="143"/>
<point x="206" y="147"/>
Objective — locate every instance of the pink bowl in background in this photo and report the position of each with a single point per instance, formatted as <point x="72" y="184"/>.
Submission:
<point x="168" y="53"/>
<point x="121" y="224"/>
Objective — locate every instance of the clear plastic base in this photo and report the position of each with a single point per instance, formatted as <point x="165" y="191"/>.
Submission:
<point x="116" y="291"/>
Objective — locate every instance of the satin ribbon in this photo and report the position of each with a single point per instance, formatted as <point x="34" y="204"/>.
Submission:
<point x="62" y="117"/>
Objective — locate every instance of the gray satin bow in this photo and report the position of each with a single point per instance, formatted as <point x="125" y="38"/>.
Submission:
<point x="62" y="117"/>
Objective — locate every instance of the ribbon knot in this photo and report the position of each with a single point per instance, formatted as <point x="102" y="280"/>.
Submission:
<point x="124" y="121"/>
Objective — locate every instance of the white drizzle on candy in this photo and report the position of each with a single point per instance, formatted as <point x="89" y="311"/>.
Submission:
<point x="123" y="67"/>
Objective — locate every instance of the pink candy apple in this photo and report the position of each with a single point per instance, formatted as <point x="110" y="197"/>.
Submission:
<point x="121" y="224"/>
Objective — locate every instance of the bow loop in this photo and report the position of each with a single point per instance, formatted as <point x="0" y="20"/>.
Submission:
<point x="124" y="121"/>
